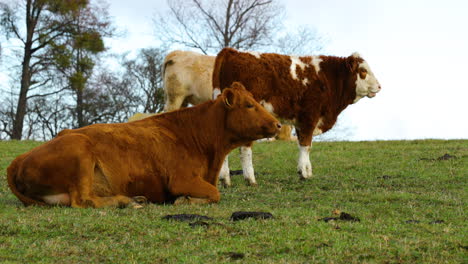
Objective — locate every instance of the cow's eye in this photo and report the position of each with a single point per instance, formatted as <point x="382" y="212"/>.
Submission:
<point x="249" y="106"/>
<point x="362" y="73"/>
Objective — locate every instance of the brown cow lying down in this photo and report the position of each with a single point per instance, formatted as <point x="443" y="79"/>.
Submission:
<point x="309" y="92"/>
<point x="169" y="157"/>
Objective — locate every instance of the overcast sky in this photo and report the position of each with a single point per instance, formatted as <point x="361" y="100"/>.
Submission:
<point x="418" y="49"/>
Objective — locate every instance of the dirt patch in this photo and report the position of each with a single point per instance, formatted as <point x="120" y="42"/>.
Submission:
<point x="240" y="172"/>
<point x="446" y="156"/>
<point x="343" y="217"/>
<point x="236" y="216"/>
<point x="412" y="221"/>
<point x="186" y="217"/>
<point x="235" y="255"/>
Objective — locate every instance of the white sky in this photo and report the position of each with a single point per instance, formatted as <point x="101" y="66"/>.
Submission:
<point x="418" y="49"/>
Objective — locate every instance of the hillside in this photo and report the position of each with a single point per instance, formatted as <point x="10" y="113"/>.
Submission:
<point x="410" y="198"/>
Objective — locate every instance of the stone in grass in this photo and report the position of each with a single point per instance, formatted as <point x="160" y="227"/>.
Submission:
<point x="186" y="217"/>
<point x="241" y="215"/>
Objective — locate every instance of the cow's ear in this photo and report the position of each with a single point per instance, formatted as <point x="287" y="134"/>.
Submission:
<point x="229" y="97"/>
<point x="353" y="63"/>
<point x="238" y="85"/>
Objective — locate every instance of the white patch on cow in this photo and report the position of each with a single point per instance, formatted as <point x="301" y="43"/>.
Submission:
<point x="305" y="81"/>
<point x="317" y="129"/>
<point x="368" y="86"/>
<point x="57" y="199"/>
<point x="216" y="92"/>
<point x="316" y="60"/>
<point x="356" y="55"/>
<point x="247" y="166"/>
<point x="296" y="61"/>
<point x="224" y="175"/>
<point x="304" y="167"/>
<point x="269" y="107"/>
<point x="254" y="53"/>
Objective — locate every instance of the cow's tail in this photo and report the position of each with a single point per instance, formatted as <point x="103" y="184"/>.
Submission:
<point x="12" y="173"/>
<point x="167" y="62"/>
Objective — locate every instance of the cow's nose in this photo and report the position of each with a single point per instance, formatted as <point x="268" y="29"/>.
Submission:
<point x="278" y="125"/>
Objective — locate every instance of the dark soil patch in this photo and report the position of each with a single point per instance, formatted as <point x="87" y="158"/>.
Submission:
<point x="240" y="172"/>
<point x="235" y="172"/>
<point x="412" y="221"/>
<point x="235" y="255"/>
<point x="438" y="221"/>
<point x="446" y="156"/>
<point x="236" y="216"/>
<point x="343" y="216"/>
<point x="389" y="177"/>
<point x="186" y="217"/>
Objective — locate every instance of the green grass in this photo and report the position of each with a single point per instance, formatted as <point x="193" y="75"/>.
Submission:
<point x="385" y="184"/>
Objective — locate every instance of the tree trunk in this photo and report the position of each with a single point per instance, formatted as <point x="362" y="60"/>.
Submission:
<point x="79" y="107"/>
<point x="22" y="99"/>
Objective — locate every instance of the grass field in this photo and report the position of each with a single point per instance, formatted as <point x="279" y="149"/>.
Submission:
<point x="411" y="204"/>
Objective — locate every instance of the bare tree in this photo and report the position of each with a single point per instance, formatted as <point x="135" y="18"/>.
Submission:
<point x="109" y="98"/>
<point x="144" y="73"/>
<point x="209" y="25"/>
<point x="45" y="21"/>
<point x="303" y="40"/>
<point x="52" y="114"/>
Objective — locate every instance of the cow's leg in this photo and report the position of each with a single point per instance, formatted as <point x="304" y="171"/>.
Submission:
<point x="304" y="139"/>
<point x="224" y="176"/>
<point x="81" y="192"/>
<point x="247" y="166"/>
<point x="194" y="190"/>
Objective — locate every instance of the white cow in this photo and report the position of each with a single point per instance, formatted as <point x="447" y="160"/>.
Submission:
<point x="187" y="79"/>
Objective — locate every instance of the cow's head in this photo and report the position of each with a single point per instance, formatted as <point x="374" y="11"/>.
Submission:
<point x="366" y="83"/>
<point x="246" y="118"/>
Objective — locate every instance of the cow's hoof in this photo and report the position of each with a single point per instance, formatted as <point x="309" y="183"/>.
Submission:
<point x="225" y="183"/>
<point x="135" y="205"/>
<point x="303" y="177"/>
<point x="140" y="199"/>
<point x="182" y="200"/>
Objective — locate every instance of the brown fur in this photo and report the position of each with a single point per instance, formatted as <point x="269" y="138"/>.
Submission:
<point x="163" y="157"/>
<point x="187" y="80"/>
<point x="268" y="78"/>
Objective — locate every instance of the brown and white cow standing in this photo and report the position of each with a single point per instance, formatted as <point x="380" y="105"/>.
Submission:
<point x="188" y="80"/>
<point x="309" y="91"/>
<point x="174" y="156"/>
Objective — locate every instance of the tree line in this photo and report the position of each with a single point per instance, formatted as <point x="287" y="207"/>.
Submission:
<point x="57" y="61"/>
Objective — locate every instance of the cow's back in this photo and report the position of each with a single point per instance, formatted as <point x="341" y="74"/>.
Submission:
<point x="269" y="77"/>
<point x="187" y="76"/>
